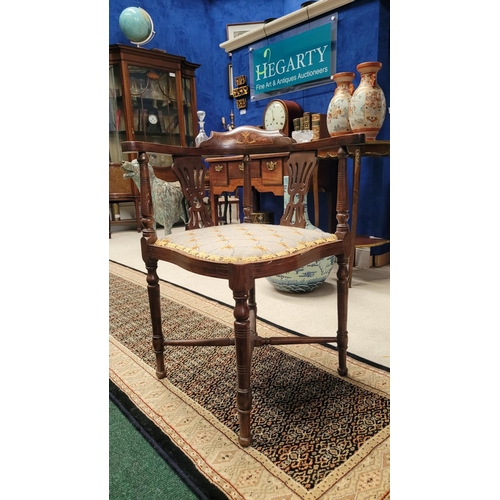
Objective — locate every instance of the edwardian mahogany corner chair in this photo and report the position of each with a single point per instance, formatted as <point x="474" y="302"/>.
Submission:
<point x="241" y="253"/>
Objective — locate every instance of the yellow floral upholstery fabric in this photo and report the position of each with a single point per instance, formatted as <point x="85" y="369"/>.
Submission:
<point x="240" y="243"/>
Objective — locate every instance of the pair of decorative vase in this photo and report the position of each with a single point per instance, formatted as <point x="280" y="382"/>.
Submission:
<point x="360" y="111"/>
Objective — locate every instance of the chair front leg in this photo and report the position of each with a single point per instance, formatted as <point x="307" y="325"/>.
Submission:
<point x="243" y="344"/>
<point x="342" y="296"/>
<point x="155" y="310"/>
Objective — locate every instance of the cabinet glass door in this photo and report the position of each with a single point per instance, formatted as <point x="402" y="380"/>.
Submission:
<point x="116" y="115"/>
<point x="188" y="112"/>
<point x="154" y="105"/>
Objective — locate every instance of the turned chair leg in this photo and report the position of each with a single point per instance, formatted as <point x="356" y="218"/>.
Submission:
<point x="243" y="344"/>
<point x="342" y="295"/>
<point x="155" y="308"/>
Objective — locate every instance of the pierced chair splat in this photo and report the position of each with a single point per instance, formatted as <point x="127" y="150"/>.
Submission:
<point x="242" y="253"/>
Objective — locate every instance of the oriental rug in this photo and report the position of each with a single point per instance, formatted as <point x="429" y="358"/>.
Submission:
<point x="316" y="435"/>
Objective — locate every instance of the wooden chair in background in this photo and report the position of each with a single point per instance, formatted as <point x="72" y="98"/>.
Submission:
<point x="227" y="203"/>
<point x="242" y="253"/>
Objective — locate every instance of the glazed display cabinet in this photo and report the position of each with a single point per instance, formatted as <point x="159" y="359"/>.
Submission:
<point x="152" y="97"/>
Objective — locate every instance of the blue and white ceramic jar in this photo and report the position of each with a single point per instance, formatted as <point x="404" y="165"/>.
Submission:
<point x="308" y="277"/>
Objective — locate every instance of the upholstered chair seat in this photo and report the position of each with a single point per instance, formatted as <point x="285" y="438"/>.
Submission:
<point x="240" y="243"/>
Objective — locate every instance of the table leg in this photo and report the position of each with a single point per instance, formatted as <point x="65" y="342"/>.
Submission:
<point x="354" y="213"/>
<point x="214" y="206"/>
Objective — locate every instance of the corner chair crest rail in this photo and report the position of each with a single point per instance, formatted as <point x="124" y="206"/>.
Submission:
<point x="242" y="253"/>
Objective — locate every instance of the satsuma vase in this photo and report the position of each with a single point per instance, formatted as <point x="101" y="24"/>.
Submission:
<point x="337" y="115"/>
<point x="368" y="106"/>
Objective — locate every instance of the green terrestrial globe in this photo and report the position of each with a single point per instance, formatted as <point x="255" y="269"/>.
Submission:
<point x="137" y="25"/>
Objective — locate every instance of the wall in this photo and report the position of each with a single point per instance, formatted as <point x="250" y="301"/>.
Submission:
<point x="195" y="29"/>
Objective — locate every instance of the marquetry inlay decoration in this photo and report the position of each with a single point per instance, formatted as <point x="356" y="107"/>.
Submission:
<point x="251" y="137"/>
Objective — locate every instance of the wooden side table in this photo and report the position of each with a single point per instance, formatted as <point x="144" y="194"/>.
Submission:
<point x="371" y="149"/>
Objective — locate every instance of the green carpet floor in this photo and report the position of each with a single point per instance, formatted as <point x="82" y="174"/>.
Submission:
<point x="136" y="471"/>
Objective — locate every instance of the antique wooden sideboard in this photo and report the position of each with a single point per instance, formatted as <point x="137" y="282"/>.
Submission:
<point x="226" y="175"/>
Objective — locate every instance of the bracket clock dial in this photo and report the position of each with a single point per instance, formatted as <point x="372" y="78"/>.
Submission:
<point x="279" y="115"/>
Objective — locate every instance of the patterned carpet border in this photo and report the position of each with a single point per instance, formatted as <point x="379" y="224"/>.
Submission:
<point x="212" y="445"/>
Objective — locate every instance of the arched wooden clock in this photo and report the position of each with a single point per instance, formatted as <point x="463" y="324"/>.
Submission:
<point x="279" y="115"/>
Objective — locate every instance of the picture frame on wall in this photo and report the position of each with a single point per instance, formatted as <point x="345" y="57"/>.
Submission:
<point x="230" y="79"/>
<point x="235" y="30"/>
